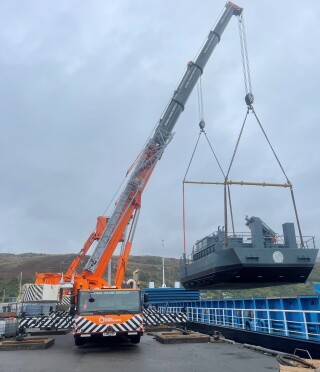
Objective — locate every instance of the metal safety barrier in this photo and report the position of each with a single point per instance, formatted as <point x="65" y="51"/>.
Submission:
<point x="286" y="322"/>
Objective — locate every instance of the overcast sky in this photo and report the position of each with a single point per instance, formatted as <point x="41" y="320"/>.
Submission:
<point x="82" y="84"/>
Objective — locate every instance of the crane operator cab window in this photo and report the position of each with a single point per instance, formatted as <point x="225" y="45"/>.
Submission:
<point x="109" y="301"/>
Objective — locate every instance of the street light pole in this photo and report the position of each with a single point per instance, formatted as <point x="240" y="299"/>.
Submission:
<point x="163" y="280"/>
<point x="20" y="286"/>
<point x="61" y="262"/>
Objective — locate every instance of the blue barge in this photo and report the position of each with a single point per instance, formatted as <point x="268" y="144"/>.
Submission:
<point x="294" y="317"/>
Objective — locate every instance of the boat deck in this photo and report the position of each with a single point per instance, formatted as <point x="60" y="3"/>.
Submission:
<point x="149" y="355"/>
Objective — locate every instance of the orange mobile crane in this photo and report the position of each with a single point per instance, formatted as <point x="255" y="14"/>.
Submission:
<point x="57" y="278"/>
<point x="102" y="309"/>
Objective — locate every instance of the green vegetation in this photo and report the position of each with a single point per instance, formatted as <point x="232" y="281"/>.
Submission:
<point x="11" y="287"/>
<point x="150" y="270"/>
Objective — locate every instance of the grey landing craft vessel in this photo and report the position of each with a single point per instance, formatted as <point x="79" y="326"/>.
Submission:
<point x="260" y="258"/>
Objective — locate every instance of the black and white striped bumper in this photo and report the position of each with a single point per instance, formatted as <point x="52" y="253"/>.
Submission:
<point x="83" y="325"/>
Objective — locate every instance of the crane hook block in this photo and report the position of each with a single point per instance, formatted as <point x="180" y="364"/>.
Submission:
<point x="249" y="98"/>
<point x="202" y="124"/>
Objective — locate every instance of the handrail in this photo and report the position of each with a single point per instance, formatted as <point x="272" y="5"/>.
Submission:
<point x="252" y="319"/>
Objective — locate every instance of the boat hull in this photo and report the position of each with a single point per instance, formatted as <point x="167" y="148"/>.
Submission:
<point x="247" y="269"/>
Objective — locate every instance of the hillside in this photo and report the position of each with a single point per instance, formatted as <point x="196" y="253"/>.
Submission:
<point x="11" y="267"/>
<point x="150" y="267"/>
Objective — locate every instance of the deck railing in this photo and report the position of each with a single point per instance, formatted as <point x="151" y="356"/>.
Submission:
<point x="292" y="323"/>
<point x="308" y="243"/>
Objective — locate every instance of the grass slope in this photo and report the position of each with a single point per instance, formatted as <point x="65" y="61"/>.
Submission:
<point x="150" y="267"/>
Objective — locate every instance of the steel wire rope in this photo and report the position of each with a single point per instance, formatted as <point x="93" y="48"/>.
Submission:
<point x="137" y="158"/>
<point x="137" y="190"/>
<point x="205" y="40"/>
<point x="237" y="145"/>
<point x="244" y="54"/>
<point x="183" y="198"/>
<point x="249" y="98"/>
<point x="148" y="139"/>
<point x="129" y="170"/>
<point x="200" y="109"/>
<point x="200" y="100"/>
<point x="243" y="59"/>
<point x="287" y="359"/>
<point x="284" y="173"/>
<point x="114" y="196"/>
<point x="220" y="167"/>
<point x="228" y="186"/>
<point x="271" y="147"/>
<point x="201" y="116"/>
<point x="133" y="197"/>
<point x="105" y="211"/>
<point x="214" y="154"/>
<point x="201" y="124"/>
<point x="132" y="166"/>
<point x="155" y="126"/>
<point x="248" y="87"/>
<point x="227" y="193"/>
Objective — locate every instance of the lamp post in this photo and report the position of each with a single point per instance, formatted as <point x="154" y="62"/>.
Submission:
<point x="61" y="262"/>
<point x="163" y="279"/>
<point x="20" y="287"/>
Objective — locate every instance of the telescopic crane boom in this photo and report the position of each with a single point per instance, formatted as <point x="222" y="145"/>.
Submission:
<point x="100" y="308"/>
<point x="129" y="201"/>
<point x="111" y="231"/>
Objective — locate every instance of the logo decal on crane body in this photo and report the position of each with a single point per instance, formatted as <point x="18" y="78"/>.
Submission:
<point x="83" y="325"/>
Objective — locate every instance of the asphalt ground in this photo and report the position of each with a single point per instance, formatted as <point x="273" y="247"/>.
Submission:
<point x="149" y="355"/>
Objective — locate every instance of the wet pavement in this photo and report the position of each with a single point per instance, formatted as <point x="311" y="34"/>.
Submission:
<point x="149" y="355"/>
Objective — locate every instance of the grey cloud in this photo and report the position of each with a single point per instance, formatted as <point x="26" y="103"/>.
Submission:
<point x="82" y="85"/>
